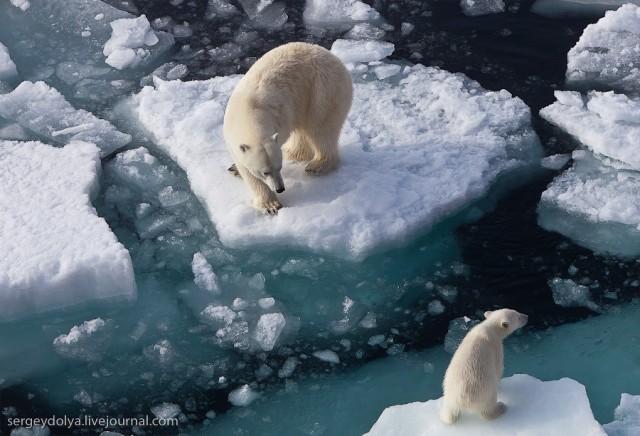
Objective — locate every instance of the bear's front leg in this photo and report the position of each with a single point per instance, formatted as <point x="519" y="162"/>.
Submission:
<point x="264" y="198"/>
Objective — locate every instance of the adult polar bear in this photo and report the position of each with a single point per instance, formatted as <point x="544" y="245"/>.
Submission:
<point x="473" y="377"/>
<point x="299" y="94"/>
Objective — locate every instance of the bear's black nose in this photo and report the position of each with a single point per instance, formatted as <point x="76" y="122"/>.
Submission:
<point x="280" y="190"/>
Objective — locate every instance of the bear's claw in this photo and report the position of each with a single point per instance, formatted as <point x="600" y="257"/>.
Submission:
<point x="271" y="207"/>
<point x="234" y="170"/>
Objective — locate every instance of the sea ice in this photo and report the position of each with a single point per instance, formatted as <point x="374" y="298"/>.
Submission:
<point x="350" y="51"/>
<point x="481" y="7"/>
<point x="7" y="67"/>
<point x="166" y="411"/>
<point x="568" y="293"/>
<point x="627" y="417"/>
<point x="595" y="202"/>
<point x="534" y="407"/>
<point x="268" y="330"/>
<point x="129" y="40"/>
<point x="430" y="141"/>
<point x="338" y="13"/>
<point x="607" y="54"/>
<point x="328" y="356"/>
<point x="87" y="342"/>
<point x="205" y="278"/>
<point x="60" y="253"/>
<point x="243" y="396"/>
<point x="573" y="8"/>
<point x="43" y="110"/>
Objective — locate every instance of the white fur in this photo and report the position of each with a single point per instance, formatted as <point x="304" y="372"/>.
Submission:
<point x="473" y="377"/>
<point x="298" y="94"/>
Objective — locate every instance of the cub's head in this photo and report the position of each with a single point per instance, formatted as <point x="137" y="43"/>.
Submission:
<point x="506" y="321"/>
<point x="264" y="160"/>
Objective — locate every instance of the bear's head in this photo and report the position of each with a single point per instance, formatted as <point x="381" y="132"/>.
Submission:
<point x="505" y="321"/>
<point x="264" y="160"/>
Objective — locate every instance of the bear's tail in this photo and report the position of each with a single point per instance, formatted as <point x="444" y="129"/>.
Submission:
<point x="449" y="413"/>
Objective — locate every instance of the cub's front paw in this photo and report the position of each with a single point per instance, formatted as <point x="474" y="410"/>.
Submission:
<point x="271" y="207"/>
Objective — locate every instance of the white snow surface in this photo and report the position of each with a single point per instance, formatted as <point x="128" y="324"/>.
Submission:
<point x="608" y="52"/>
<point x="415" y="149"/>
<point x="59" y="253"/>
<point x="534" y="407"/>
<point x="562" y="8"/>
<point x="338" y="13"/>
<point x="42" y="109"/>
<point x="481" y="7"/>
<point x="627" y="417"/>
<point x="129" y="40"/>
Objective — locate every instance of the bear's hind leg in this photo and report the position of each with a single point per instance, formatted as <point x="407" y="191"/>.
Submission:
<point x="326" y="157"/>
<point x="494" y="412"/>
<point x="297" y="148"/>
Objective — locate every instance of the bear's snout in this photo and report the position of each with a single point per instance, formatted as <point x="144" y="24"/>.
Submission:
<point x="279" y="190"/>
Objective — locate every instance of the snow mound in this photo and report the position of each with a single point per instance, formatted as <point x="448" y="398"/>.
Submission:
<point x="481" y="7"/>
<point x="596" y="201"/>
<point x="43" y="110"/>
<point x="607" y="54"/>
<point x="415" y="149"/>
<point x="534" y="407"/>
<point x="60" y="253"/>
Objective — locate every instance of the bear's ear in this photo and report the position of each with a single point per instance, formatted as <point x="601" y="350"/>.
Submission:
<point x="505" y="324"/>
<point x="244" y="147"/>
<point x="275" y="138"/>
<point x="487" y="313"/>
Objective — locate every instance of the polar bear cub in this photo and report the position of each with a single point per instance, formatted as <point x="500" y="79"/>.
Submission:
<point x="293" y="100"/>
<point x="473" y="377"/>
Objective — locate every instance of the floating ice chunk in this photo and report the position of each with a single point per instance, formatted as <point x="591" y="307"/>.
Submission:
<point x="576" y="8"/>
<point x="243" y="396"/>
<point x="7" y="67"/>
<point x="337" y="13"/>
<point x="327" y="356"/>
<point x="569" y="98"/>
<point x="166" y="411"/>
<point x="481" y="7"/>
<point x="129" y="40"/>
<point x="595" y="205"/>
<point x="350" y="51"/>
<point x="607" y="52"/>
<point x="288" y="367"/>
<point x="205" y="278"/>
<point x="556" y="161"/>
<point x="240" y="304"/>
<point x="42" y="109"/>
<point x="609" y="124"/>
<point x="627" y="417"/>
<point x="21" y="4"/>
<point x="385" y="71"/>
<point x="268" y="330"/>
<point x="414" y="134"/>
<point x="365" y="31"/>
<point x="138" y="168"/>
<point x="273" y="17"/>
<point x="534" y="407"/>
<point x="568" y="293"/>
<point x="59" y="252"/>
<point x="219" y="315"/>
<point x="87" y="342"/>
<point x="266" y="303"/>
<point x="221" y="8"/>
<point x="253" y="7"/>
<point x="458" y="328"/>
<point x="161" y="352"/>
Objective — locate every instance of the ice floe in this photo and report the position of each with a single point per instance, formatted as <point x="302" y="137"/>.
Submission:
<point x="481" y="7"/>
<point x="416" y="148"/>
<point x="59" y="253"/>
<point x="608" y="52"/>
<point x="129" y="43"/>
<point x="627" y="417"/>
<point x="43" y="110"/>
<point x="534" y="407"/>
<point x="338" y="13"/>
<point x="563" y="8"/>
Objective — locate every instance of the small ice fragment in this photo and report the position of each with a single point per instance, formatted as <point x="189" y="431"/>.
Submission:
<point x="243" y="396"/>
<point x="327" y="356"/>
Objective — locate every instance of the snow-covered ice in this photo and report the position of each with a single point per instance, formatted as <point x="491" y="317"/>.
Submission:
<point x="627" y="417"/>
<point x="166" y="410"/>
<point x="481" y="7"/>
<point x="338" y="13"/>
<point x="7" y="67"/>
<point x="43" y="110"/>
<point x="607" y="54"/>
<point x="596" y="201"/>
<point x="129" y="42"/>
<point x="429" y="142"/>
<point x="562" y="8"/>
<point x="59" y="253"/>
<point x="87" y="342"/>
<point x="534" y="407"/>
<point x="268" y="330"/>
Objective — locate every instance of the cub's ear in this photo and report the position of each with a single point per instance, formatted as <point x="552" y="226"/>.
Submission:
<point x="487" y="313"/>
<point x="244" y="148"/>
<point x="275" y="138"/>
<point x="505" y="325"/>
